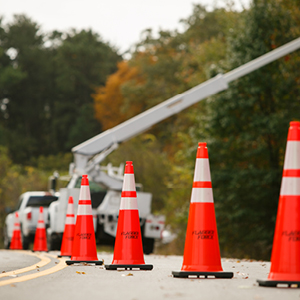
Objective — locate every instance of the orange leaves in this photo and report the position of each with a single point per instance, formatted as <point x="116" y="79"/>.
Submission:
<point x="108" y="100"/>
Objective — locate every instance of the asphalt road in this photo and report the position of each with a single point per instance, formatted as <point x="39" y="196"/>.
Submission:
<point x="42" y="276"/>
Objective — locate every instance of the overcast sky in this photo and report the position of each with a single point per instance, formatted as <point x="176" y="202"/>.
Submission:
<point x="118" y="22"/>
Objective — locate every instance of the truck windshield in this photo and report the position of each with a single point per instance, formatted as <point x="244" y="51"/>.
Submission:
<point x="37" y="201"/>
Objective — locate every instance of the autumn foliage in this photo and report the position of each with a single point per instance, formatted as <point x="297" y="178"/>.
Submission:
<point x="109" y="100"/>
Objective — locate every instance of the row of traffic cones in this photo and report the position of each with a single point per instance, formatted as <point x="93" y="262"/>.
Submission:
<point x="40" y="238"/>
<point x="201" y="253"/>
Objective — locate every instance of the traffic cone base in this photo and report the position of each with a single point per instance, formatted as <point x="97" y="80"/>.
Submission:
<point x="279" y="283"/>
<point x="201" y="275"/>
<point x="115" y="267"/>
<point x="128" y="250"/>
<point x="201" y="256"/>
<point x="95" y="262"/>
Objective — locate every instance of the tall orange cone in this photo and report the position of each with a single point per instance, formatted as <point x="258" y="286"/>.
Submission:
<point x="201" y="252"/>
<point x="40" y="238"/>
<point x="84" y="244"/>
<point x="68" y="236"/>
<point x="128" y="251"/>
<point x="285" y="259"/>
<point x="16" y="241"/>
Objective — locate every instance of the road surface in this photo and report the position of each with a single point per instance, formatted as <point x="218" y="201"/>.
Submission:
<point x="43" y="276"/>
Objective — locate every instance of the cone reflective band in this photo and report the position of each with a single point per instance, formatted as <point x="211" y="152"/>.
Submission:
<point x="285" y="259"/>
<point x="16" y="241"/>
<point x="201" y="252"/>
<point x="84" y="243"/>
<point x="68" y="235"/>
<point x="40" y="238"/>
<point x="128" y="250"/>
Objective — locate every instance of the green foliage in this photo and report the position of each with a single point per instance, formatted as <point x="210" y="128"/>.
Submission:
<point x="15" y="180"/>
<point x="248" y="124"/>
<point x="46" y="83"/>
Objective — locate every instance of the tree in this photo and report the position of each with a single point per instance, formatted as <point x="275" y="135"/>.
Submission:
<point x="83" y="61"/>
<point x="48" y="80"/>
<point x="109" y="101"/>
<point x="28" y="66"/>
<point x="248" y="127"/>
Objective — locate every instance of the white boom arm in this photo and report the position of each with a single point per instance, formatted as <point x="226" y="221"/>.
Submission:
<point x="101" y="145"/>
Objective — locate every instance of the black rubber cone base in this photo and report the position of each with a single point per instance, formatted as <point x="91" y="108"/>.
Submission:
<point x="129" y="267"/>
<point x="189" y="274"/>
<point x="95" y="262"/>
<point x="279" y="283"/>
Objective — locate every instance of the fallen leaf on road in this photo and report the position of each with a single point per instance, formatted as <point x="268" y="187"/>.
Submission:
<point x="129" y="274"/>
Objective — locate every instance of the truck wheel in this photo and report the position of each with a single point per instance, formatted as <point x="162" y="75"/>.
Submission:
<point x="25" y="242"/>
<point x="54" y="242"/>
<point x="25" y="239"/>
<point x="148" y="245"/>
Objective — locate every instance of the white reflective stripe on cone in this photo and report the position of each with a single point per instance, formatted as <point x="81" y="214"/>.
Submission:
<point x="84" y="210"/>
<point x="41" y="217"/>
<point x="40" y="224"/>
<point x="202" y="195"/>
<point x="17" y="227"/>
<point x="70" y="220"/>
<point x="202" y="171"/>
<point x="85" y="193"/>
<point x="128" y="203"/>
<point x="128" y="183"/>
<point x="70" y="209"/>
<point x="292" y="155"/>
<point x="290" y="186"/>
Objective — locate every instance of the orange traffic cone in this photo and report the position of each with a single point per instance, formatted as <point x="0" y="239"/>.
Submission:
<point x="68" y="236"/>
<point x="285" y="259"/>
<point x="84" y="244"/>
<point x="201" y="252"/>
<point x="16" y="241"/>
<point x="128" y="251"/>
<point x="40" y="238"/>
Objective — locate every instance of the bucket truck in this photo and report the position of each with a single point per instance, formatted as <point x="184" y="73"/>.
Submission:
<point x="106" y="184"/>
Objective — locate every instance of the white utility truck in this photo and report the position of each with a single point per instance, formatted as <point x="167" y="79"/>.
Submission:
<point x="28" y="209"/>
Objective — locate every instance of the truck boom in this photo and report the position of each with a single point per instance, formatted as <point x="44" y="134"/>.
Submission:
<point x="91" y="152"/>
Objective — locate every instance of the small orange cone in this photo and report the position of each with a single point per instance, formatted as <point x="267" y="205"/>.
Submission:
<point x="285" y="259"/>
<point x="68" y="236"/>
<point x="128" y="250"/>
<point x="201" y="252"/>
<point x="16" y="241"/>
<point x="84" y="244"/>
<point x="40" y="238"/>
